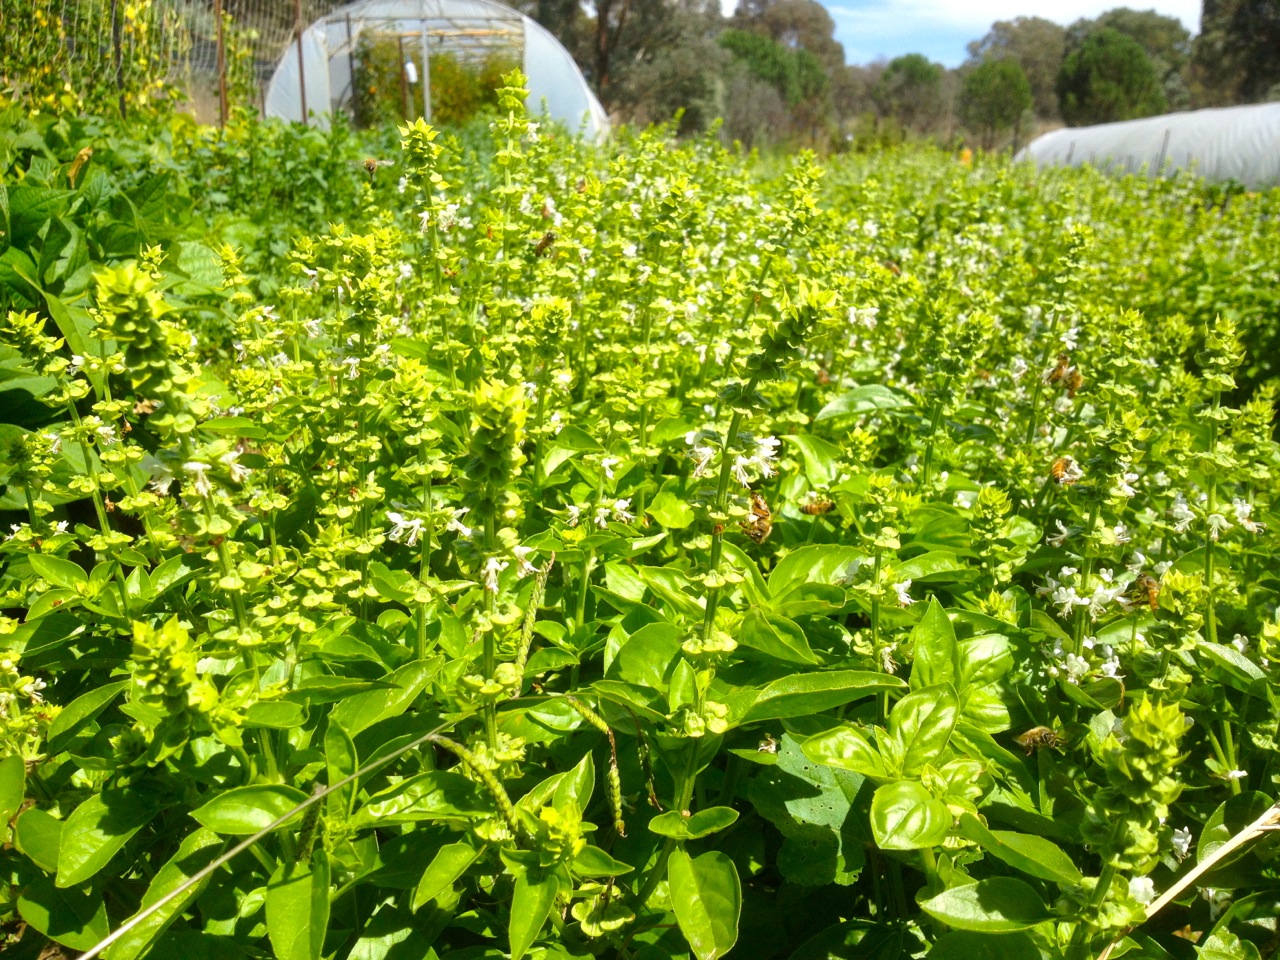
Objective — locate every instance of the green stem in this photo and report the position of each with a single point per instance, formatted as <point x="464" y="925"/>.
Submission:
<point x="1211" y="507"/>
<point x="1080" y="939"/>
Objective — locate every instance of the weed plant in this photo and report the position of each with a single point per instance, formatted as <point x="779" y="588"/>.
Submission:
<point x="613" y="552"/>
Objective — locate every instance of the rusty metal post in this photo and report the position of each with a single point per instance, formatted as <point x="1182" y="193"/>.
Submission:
<point x="302" y="73"/>
<point x="222" y="66"/>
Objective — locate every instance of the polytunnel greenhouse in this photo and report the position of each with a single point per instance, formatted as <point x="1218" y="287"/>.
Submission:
<point x="1231" y="143"/>
<point x="315" y="77"/>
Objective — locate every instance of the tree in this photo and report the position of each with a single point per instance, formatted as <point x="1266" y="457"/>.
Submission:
<point x="1037" y="45"/>
<point x="795" y="24"/>
<point x="993" y="98"/>
<point x="1164" y="40"/>
<point x="797" y="76"/>
<point x="910" y="89"/>
<point x="1236" y="57"/>
<point x="1107" y="78"/>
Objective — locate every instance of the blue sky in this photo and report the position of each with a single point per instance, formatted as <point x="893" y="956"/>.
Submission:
<point x="940" y="29"/>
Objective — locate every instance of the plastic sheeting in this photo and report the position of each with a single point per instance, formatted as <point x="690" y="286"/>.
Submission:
<point x="327" y="46"/>
<point x="1230" y="143"/>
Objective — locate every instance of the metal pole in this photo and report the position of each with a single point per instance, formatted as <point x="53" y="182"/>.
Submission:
<point x="426" y="73"/>
<point x="302" y="75"/>
<point x="1164" y="145"/>
<point x="351" y="69"/>
<point x="404" y="81"/>
<point x="116" y="44"/>
<point x="222" y="66"/>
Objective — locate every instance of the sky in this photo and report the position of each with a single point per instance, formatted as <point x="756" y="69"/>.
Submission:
<point x="940" y="29"/>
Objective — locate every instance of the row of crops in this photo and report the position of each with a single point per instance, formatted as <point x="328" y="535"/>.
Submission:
<point x="644" y="552"/>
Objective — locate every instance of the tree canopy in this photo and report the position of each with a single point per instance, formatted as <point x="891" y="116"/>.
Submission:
<point x="1108" y="77"/>
<point x="994" y="96"/>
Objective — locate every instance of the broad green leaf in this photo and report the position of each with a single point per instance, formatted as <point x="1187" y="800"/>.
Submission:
<point x="921" y="724"/>
<point x="972" y="945"/>
<point x="341" y="761"/>
<point x="996" y="905"/>
<point x="670" y="508"/>
<point x="905" y="817"/>
<point x="647" y="656"/>
<point x="1231" y="660"/>
<point x="707" y="898"/>
<point x="323" y="689"/>
<point x="39" y="835"/>
<point x="845" y="748"/>
<point x="1032" y="855"/>
<point x="806" y="693"/>
<point x="535" y="894"/>
<point x="870" y="398"/>
<point x="195" y="853"/>
<point x="275" y="715"/>
<point x="594" y="862"/>
<point x="821" y="459"/>
<point x="576" y="785"/>
<point x="815" y="563"/>
<point x="13" y="786"/>
<point x="245" y="810"/>
<point x="676" y="825"/>
<point x="776" y="637"/>
<point x="74" y="918"/>
<point x="95" y="832"/>
<point x="936" y="566"/>
<point x="298" y="908"/>
<point x="933" y="643"/>
<point x="59" y="572"/>
<point x="450" y="862"/>
<point x="79" y="712"/>
<point x="363" y="710"/>
<point x="810" y="804"/>
<point x="427" y="796"/>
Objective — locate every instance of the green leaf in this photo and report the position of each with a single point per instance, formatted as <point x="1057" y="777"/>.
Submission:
<point x="39" y="835"/>
<point x="96" y="830"/>
<point x="921" y="723"/>
<point x="195" y="853"/>
<point x="821" y="459"/>
<point x="815" y="563"/>
<point x="845" y="748"/>
<point x="806" y="693"/>
<point x="647" y="656"/>
<point x="707" y="898"/>
<point x="244" y="810"/>
<point x="427" y="796"/>
<point x="363" y="710"/>
<point x="1032" y="855"/>
<point x="677" y="826"/>
<point x="905" y="817"/>
<point x="341" y="761"/>
<point x="594" y="862"/>
<point x="274" y="715"/>
<point x="324" y="689"/>
<point x="59" y="572"/>
<point x="75" y="918"/>
<point x="298" y="908"/>
<point x="862" y="400"/>
<point x="1231" y="660"/>
<point x="450" y="862"/>
<point x="934" y="644"/>
<point x="13" y="787"/>
<point x="936" y="566"/>
<point x="79" y="712"/>
<point x="776" y="637"/>
<point x="972" y="945"/>
<point x="996" y="905"/>
<point x="535" y="895"/>
<point x="670" y="508"/>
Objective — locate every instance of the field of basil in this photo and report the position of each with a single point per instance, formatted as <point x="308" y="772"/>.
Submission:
<point x="489" y="545"/>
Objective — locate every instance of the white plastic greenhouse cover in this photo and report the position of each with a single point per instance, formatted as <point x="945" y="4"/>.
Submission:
<point x="1228" y="143"/>
<point x="327" y="45"/>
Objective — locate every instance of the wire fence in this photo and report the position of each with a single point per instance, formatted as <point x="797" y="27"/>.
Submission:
<point x="218" y="56"/>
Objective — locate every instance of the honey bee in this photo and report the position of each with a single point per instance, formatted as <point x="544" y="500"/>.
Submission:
<point x="143" y="407"/>
<point x="759" y="524"/>
<point x="1060" y="370"/>
<point x="1037" y="738"/>
<point x="544" y="244"/>
<point x="1066" y="471"/>
<point x="817" y="505"/>
<point x="1073" y="380"/>
<point x="767" y="745"/>
<point x="372" y="165"/>
<point x="1145" y="588"/>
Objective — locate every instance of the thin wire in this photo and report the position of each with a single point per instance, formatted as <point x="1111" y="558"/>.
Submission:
<point x="245" y="844"/>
